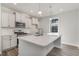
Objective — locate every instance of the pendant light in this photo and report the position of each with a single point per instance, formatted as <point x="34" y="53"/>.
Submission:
<point x="39" y="11"/>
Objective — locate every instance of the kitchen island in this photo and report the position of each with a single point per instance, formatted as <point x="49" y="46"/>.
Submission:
<point x="38" y="45"/>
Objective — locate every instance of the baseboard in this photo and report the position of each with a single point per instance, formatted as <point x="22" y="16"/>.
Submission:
<point x="71" y="44"/>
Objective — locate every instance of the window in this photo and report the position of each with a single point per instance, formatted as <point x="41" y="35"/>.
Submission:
<point x="54" y="25"/>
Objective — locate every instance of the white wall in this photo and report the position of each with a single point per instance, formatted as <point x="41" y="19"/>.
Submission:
<point x="78" y="27"/>
<point x="0" y="28"/>
<point x="68" y="26"/>
<point x="44" y="23"/>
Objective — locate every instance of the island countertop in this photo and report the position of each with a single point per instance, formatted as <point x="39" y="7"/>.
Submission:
<point x="39" y="40"/>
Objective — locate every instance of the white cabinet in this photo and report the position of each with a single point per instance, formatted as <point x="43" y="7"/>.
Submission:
<point x="9" y="41"/>
<point x="28" y="22"/>
<point x="4" y="19"/>
<point x="23" y="18"/>
<point x="11" y="20"/>
<point x="5" y="42"/>
<point x="18" y="17"/>
<point x="8" y="19"/>
<point x="13" y="41"/>
<point x="35" y="21"/>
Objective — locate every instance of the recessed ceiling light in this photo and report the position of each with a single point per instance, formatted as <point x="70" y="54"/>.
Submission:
<point x="39" y="12"/>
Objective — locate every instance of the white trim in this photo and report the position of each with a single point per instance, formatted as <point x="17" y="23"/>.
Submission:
<point x="71" y="44"/>
<point x="52" y="33"/>
<point x="50" y="23"/>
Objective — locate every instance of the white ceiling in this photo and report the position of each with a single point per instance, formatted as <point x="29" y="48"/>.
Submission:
<point x="44" y="7"/>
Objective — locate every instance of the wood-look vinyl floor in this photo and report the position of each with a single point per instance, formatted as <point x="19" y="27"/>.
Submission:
<point x="66" y="50"/>
<point x="12" y="52"/>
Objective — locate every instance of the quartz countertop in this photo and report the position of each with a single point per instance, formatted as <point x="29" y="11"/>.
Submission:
<point x="39" y="40"/>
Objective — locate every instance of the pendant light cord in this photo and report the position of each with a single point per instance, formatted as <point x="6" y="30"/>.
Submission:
<point x="50" y="7"/>
<point x="39" y="7"/>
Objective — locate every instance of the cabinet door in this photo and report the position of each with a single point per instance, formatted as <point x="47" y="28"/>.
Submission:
<point x="5" y="19"/>
<point x="26" y="22"/>
<point x="37" y="22"/>
<point x="6" y="42"/>
<point x="23" y="18"/>
<point x="13" y="41"/>
<point x="34" y="20"/>
<point x="11" y="20"/>
<point x="18" y="17"/>
<point x="29" y="24"/>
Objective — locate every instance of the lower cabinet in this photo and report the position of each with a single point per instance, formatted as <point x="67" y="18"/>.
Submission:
<point x="13" y="41"/>
<point x="5" y="42"/>
<point x="8" y="42"/>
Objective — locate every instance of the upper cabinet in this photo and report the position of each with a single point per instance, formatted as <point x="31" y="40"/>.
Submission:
<point x="26" y="20"/>
<point x="35" y="21"/>
<point x="18" y="17"/>
<point x="11" y="20"/>
<point x="23" y="18"/>
<point x="28" y="23"/>
<point x="8" y="18"/>
<point x="5" y="19"/>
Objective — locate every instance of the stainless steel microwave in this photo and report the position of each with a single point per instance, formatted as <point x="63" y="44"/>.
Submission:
<point x="19" y="25"/>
